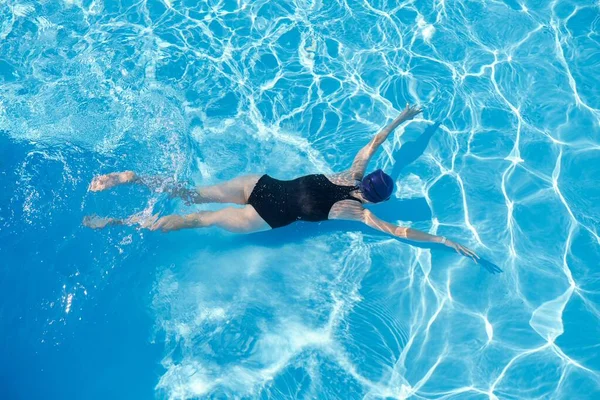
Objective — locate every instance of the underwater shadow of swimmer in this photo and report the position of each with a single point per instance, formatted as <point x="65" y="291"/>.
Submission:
<point x="410" y="151"/>
<point x="301" y="231"/>
<point x="415" y="209"/>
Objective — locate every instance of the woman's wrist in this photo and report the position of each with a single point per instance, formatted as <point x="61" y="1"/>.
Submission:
<point x="401" y="118"/>
<point x="443" y="240"/>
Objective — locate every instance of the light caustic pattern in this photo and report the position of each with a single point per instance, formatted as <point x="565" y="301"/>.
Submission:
<point x="209" y="90"/>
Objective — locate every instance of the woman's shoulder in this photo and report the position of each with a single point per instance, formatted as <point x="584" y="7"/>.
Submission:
<point x="345" y="178"/>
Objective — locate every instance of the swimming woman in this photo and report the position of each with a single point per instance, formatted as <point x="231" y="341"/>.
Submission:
<point x="270" y="203"/>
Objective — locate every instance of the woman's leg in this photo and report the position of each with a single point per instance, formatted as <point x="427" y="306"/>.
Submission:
<point x="236" y="191"/>
<point x="238" y="220"/>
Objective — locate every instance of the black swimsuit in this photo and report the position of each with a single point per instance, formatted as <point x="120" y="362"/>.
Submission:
<point x="308" y="198"/>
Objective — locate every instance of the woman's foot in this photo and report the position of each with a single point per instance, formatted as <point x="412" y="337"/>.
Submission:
<point x="189" y="196"/>
<point x="107" y="181"/>
<point x="95" y="222"/>
<point x="143" y="220"/>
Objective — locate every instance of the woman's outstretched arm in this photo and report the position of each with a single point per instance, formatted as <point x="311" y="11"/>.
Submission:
<point x="415" y="235"/>
<point x="351" y="210"/>
<point x="359" y="165"/>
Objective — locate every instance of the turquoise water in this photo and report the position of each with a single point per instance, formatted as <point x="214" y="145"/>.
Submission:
<point x="201" y="92"/>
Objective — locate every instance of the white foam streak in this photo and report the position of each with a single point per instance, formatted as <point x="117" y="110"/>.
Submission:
<point x="546" y="320"/>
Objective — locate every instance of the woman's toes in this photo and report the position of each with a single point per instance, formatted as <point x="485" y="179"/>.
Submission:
<point x="107" y="181"/>
<point x="98" y="183"/>
<point x="95" y="222"/>
<point x="127" y="176"/>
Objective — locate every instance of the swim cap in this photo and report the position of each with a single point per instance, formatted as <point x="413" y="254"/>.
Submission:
<point x="377" y="186"/>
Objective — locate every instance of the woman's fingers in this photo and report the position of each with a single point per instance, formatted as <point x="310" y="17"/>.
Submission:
<point x="411" y="111"/>
<point x="470" y="252"/>
<point x="474" y="256"/>
<point x="465" y="251"/>
<point x="414" y="109"/>
<point x="462" y="250"/>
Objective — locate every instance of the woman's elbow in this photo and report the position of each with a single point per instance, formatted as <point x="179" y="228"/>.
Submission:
<point x="402" y="232"/>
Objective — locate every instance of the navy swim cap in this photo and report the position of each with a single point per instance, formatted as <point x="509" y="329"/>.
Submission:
<point x="377" y="186"/>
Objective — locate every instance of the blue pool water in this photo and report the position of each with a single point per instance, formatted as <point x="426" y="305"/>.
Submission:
<point x="202" y="92"/>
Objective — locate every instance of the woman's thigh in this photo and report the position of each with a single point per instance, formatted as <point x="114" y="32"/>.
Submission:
<point x="239" y="220"/>
<point x="236" y="191"/>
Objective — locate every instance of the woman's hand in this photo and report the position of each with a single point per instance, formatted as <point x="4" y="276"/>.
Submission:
<point x="410" y="112"/>
<point x="460" y="249"/>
